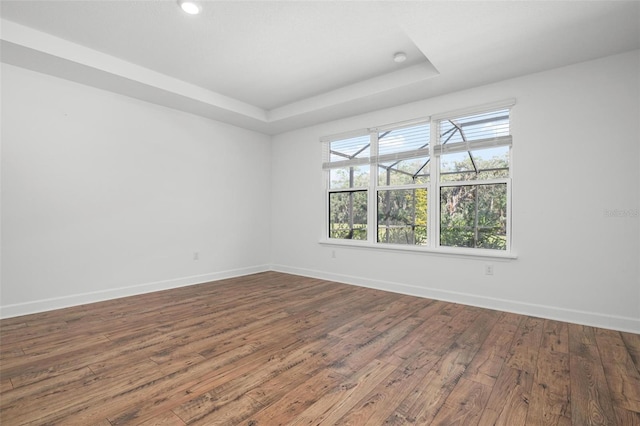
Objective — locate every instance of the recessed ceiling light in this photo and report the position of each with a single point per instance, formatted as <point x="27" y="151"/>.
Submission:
<point x="400" y="57"/>
<point x="190" y="6"/>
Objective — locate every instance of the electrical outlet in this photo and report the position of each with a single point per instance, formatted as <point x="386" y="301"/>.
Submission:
<point x="196" y="255"/>
<point x="488" y="269"/>
<point x="333" y="254"/>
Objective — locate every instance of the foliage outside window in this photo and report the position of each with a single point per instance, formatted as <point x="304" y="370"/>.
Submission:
<point x="474" y="169"/>
<point x="392" y="186"/>
<point x="348" y="188"/>
<point x="403" y="179"/>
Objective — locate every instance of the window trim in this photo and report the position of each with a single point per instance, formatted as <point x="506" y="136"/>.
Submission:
<point x="446" y="251"/>
<point x="433" y="187"/>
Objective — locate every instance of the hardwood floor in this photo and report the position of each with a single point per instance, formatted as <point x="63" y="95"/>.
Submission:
<point x="272" y="349"/>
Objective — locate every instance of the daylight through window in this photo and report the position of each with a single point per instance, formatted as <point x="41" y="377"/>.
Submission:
<point x="439" y="182"/>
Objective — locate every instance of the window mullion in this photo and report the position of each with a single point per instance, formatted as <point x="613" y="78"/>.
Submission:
<point x="509" y="200"/>
<point x="372" y="205"/>
<point x="472" y="182"/>
<point x="508" y="248"/>
<point x="433" y="209"/>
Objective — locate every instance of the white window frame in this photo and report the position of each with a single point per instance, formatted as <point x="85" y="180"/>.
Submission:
<point x="433" y="188"/>
<point x="328" y="190"/>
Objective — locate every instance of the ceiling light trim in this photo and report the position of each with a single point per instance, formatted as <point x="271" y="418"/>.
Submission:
<point x="190" y="7"/>
<point x="399" y="57"/>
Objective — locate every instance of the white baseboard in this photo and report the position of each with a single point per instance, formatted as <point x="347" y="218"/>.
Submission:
<point x="613" y="322"/>
<point x="43" y="305"/>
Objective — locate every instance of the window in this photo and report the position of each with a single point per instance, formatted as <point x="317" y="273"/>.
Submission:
<point x="473" y="154"/>
<point x="402" y="184"/>
<point x="349" y="179"/>
<point x="435" y="183"/>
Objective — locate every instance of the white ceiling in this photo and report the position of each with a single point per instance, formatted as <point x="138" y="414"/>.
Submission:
<point x="273" y="66"/>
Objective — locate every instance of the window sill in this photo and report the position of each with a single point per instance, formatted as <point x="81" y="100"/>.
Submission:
<point x="443" y="251"/>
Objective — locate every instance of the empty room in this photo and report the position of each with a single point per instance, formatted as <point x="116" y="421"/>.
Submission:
<point x="320" y="213"/>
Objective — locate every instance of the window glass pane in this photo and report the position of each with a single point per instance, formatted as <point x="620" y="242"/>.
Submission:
<point x="474" y="127"/>
<point x="474" y="216"/>
<point x="404" y="139"/>
<point x="482" y="164"/>
<point x="348" y="149"/>
<point x="402" y="216"/>
<point x="348" y="215"/>
<point x="413" y="171"/>
<point x="349" y="177"/>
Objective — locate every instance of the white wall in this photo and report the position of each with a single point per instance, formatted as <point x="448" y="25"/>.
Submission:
<point x="575" y="156"/>
<point x="104" y="196"/>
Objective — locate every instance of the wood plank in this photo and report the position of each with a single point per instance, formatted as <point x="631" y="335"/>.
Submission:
<point x="508" y="403"/>
<point x="621" y="374"/>
<point x="487" y="363"/>
<point x="21" y="399"/>
<point x="417" y="340"/>
<point x="5" y="385"/>
<point x="22" y="333"/>
<point x="75" y="407"/>
<point x="523" y="354"/>
<point x="381" y="401"/>
<point x="9" y="352"/>
<point x="286" y="406"/>
<point x="580" y="338"/>
<point x="550" y="402"/>
<point x="225" y="391"/>
<point x="632" y="343"/>
<point x="591" y="402"/>
<point x="273" y="348"/>
<point x="233" y="413"/>
<point x="168" y="418"/>
<point x="374" y="323"/>
<point x="627" y="418"/>
<point x="336" y="403"/>
<point x="186" y="386"/>
<point x="369" y="347"/>
<point x="428" y="397"/>
<point x="555" y="336"/>
<point x="465" y="404"/>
